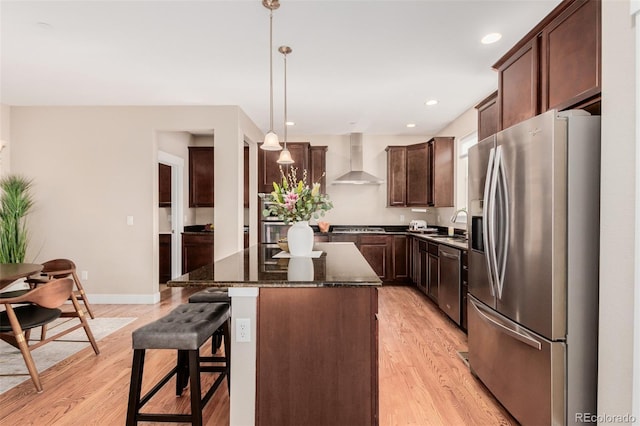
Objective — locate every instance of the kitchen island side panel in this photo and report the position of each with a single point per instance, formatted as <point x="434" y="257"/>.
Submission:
<point x="317" y="356"/>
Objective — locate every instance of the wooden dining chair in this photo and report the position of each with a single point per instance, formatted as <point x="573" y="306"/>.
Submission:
<point x="36" y="308"/>
<point x="61" y="268"/>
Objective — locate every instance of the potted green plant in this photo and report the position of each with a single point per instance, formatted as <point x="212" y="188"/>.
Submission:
<point x="15" y="203"/>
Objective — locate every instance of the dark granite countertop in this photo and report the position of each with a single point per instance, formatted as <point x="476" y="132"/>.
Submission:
<point x="340" y="265"/>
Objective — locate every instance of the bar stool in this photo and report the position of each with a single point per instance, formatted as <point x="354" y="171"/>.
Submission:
<point x="185" y="329"/>
<point x="213" y="295"/>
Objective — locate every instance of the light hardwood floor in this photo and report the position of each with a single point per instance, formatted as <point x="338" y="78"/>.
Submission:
<point x="423" y="381"/>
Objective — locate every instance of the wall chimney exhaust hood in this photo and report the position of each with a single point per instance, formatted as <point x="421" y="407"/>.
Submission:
<point x="357" y="176"/>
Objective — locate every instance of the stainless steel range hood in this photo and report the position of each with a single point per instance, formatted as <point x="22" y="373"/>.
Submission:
<point x="357" y="176"/>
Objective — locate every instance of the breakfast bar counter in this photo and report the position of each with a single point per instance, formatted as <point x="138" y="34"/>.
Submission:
<point x="310" y="355"/>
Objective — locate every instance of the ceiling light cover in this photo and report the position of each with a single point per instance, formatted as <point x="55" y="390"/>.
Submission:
<point x="285" y="157"/>
<point x="411" y="125"/>
<point x="271" y="142"/>
<point x="431" y="102"/>
<point x="491" y="38"/>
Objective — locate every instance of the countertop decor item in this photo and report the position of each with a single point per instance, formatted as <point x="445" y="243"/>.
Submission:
<point x="294" y="201"/>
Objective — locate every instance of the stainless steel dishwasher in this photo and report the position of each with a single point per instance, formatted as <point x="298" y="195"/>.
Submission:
<point x="449" y="282"/>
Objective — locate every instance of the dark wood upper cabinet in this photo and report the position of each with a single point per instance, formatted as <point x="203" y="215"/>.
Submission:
<point x="419" y="191"/>
<point x="442" y="171"/>
<point x="305" y="156"/>
<point x="164" y="185"/>
<point x="518" y="86"/>
<point x="318" y="166"/>
<point x="201" y="180"/>
<point x="557" y="65"/>
<point x="571" y="63"/>
<point x="424" y="178"/>
<point x="488" y="116"/>
<point x="269" y="169"/>
<point x="396" y="175"/>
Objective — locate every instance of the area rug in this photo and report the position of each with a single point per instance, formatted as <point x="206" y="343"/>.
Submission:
<point x="48" y="355"/>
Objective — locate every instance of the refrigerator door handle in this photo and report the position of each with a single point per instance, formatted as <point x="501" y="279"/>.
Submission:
<point x="527" y="340"/>
<point x="486" y="217"/>
<point x="492" y="252"/>
<point x="501" y="179"/>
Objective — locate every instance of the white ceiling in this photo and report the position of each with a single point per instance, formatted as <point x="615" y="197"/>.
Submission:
<point x="356" y="66"/>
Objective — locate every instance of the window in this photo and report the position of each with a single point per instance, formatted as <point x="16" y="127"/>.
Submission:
<point x="463" y="145"/>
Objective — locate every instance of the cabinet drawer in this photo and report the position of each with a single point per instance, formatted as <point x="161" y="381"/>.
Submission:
<point x="433" y="249"/>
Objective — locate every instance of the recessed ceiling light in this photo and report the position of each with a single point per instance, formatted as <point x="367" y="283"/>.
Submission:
<point x="290" y="123"/>
<point x="44" y="25"/>
<point x="431" y="102"/>
<point x="410" y="125"/>
<point x="491" y="38"/>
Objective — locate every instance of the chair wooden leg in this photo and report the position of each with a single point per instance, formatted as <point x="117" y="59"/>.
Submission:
<point x="83" y="295"/>
<point x="43" y="332"/>
<point x="24" y="348"/>
<point x="182" y="373"/>
<point x="196" y="397"/>
<point x="135" y="387"/>
<point x="226" y="327"/>
<point x="85" y="324"/>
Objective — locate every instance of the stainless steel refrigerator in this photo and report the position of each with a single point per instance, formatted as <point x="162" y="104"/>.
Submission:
<point x="533" y="266"/>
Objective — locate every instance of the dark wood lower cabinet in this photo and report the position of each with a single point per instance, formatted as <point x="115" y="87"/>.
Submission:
<point x="377" y="250"/>
<point x="388" y="255"/>
<point x="165" y="258"/>
<point x="197" y="250"/>
<point x="317" y="356"/>
<point x="401" y="251"/>
<point x="434" y="271"/>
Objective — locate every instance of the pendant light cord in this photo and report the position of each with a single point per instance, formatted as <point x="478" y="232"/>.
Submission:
<point x="285" y="101"/>
<point x="271" y="68"/>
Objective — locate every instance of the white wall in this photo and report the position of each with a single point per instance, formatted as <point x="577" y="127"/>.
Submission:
<point x="5" y="132"/>
<point x="94" y="166"/>
<point x="615" y="369"/>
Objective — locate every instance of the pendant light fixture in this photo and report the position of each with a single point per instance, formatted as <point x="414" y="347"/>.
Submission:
<point x="271" y="142"/>
<point x="285" y="155"/>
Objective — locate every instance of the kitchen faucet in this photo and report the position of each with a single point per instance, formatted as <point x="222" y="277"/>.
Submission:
<point x="454" y="218"/>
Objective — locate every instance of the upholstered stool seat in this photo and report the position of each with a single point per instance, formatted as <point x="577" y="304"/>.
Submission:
<point x="185" y="329"/>
<point x="211" y="295"/>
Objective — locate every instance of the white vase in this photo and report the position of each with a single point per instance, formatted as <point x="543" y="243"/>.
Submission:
<point x="300" y="269"/>
<point x="300" y="239"/>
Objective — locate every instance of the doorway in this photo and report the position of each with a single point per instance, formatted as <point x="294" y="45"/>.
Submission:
<point x="176" y="217"/>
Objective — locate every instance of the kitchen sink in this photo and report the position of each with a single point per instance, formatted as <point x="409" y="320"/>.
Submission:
<point x="455" y="238"/>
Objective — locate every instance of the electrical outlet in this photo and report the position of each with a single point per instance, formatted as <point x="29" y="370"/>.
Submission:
<point x="402" y="218"/>
<point x="85" y="275"/>
<point x="243" y="330"/>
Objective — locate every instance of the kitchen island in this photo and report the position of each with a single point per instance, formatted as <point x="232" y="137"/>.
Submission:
<point x="312" y="354"/>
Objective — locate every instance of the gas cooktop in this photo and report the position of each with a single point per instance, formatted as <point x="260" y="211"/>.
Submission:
<point x="357" y="230"/>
